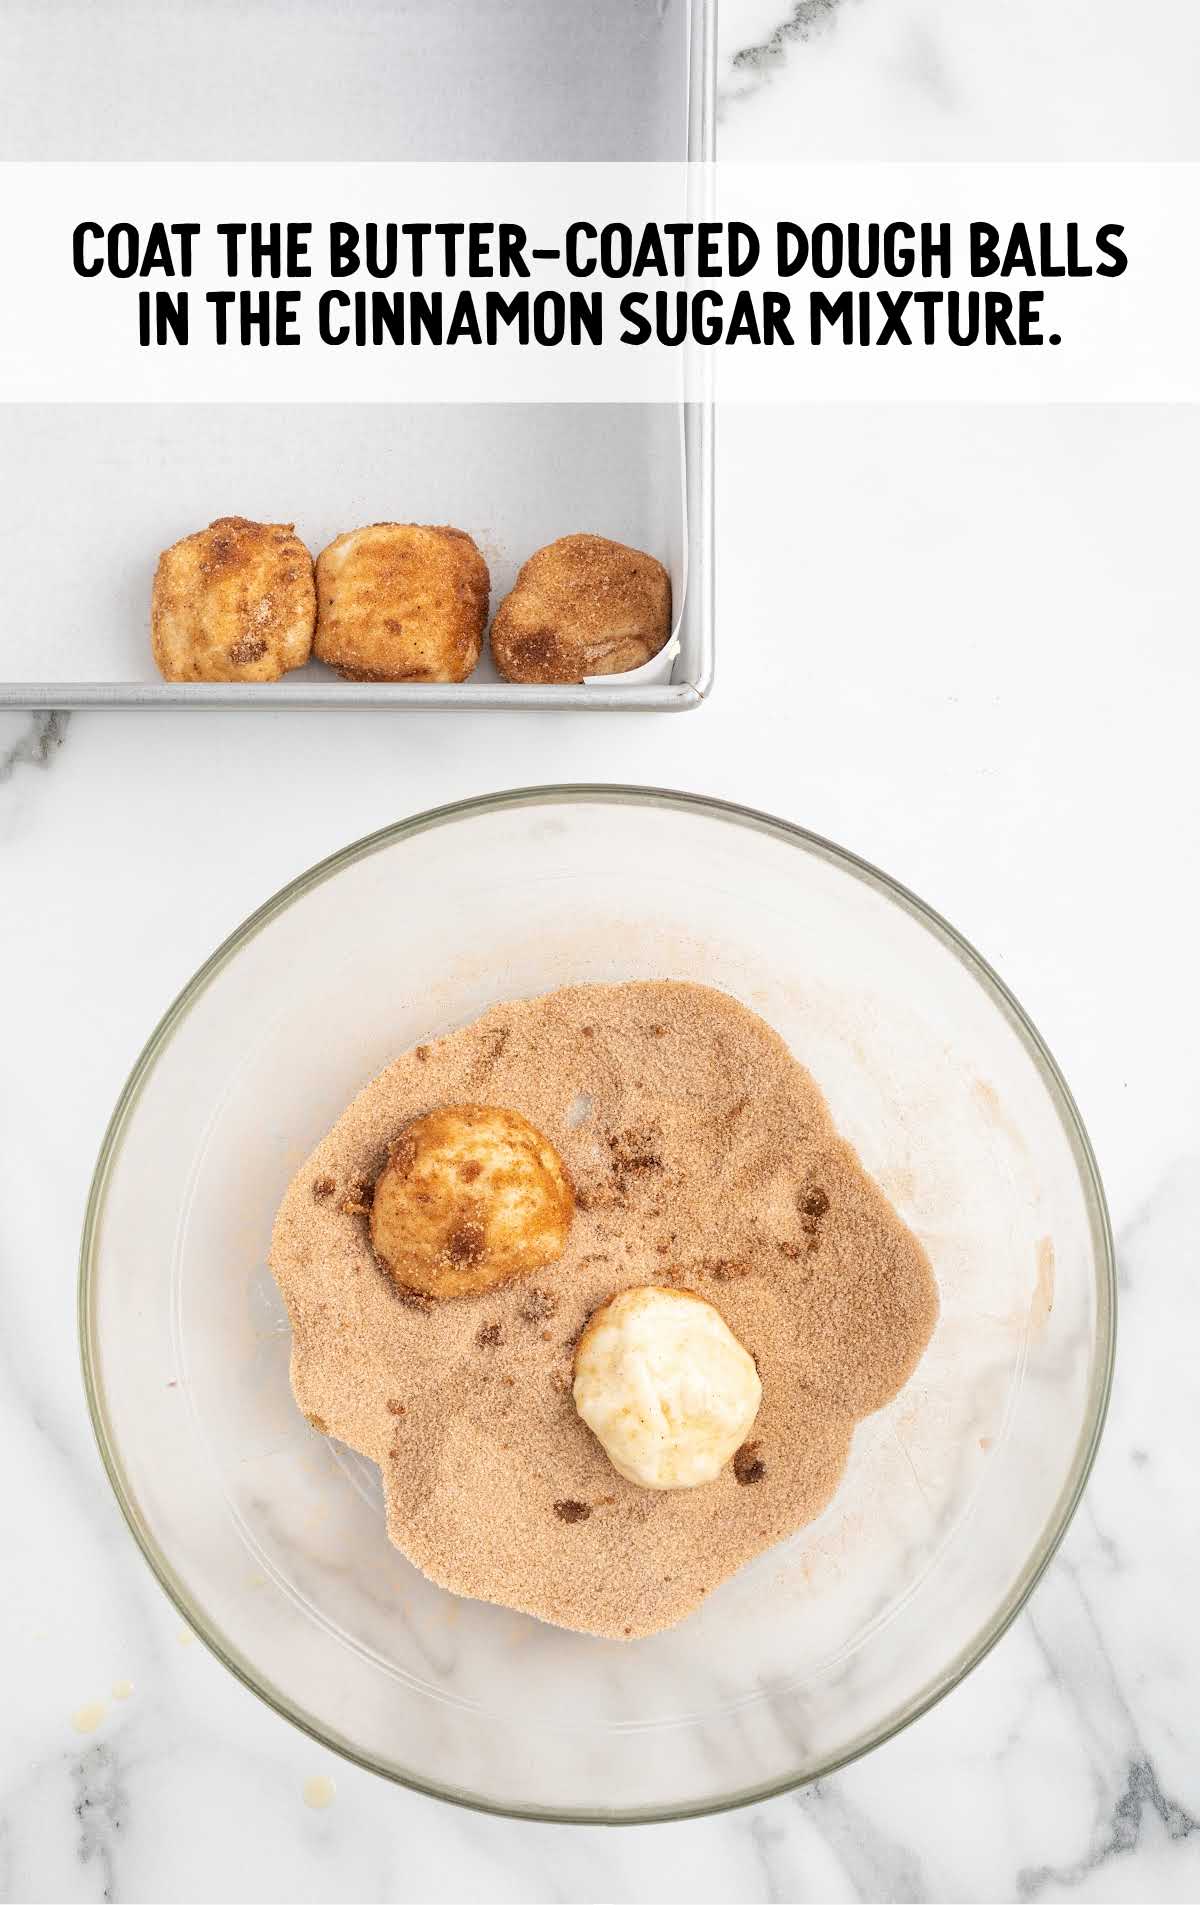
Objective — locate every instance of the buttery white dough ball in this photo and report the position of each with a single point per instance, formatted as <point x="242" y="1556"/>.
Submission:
<point x="665" y="1387"/>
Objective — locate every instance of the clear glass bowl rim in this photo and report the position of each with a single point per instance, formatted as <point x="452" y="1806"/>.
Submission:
<point x="1103" y="1349"/>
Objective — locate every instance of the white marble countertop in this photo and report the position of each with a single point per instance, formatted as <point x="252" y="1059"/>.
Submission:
<point x="961" y="643"/>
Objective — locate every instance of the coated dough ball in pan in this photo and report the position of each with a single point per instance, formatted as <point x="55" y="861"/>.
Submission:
<point x="582" y="606"/>
<point x="401" y="602"/>
<point x="234" y="602"/>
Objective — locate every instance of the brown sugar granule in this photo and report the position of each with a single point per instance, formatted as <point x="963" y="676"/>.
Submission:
<point x="490" y="1443"/>
<point x="814" y="1208"/>
<point x="408" y="1299"/>
<point x="724" y="1271"/>
<point x="634" y="1151"/>
<point x="538" y="1305"/>
<point x="490" y="1335"/>
<point x="395" y="1408"/>
<point x="359" y="1198"/>
<point x="572" y="1511"/>
<point x="748" y="1467"/>
<point x="323" y="1187"/>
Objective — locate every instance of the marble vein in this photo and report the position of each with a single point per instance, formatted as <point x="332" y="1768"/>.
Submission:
<point x="875" y="1864"/>
<point x="756" y="64"/>
<point x="1121" y="1835"/>
<point x="100" y="1806"/>
<point x="1079" y="1657"/>
<point x="36" y="745"/>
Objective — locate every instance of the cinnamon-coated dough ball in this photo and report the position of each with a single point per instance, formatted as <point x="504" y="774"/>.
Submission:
<point x="582" y="606"/>
<point x="234" y="602"/>
<point x="665" y="1387"/>
<point x="471" y="1197"/>
<point x="401" y="602"/>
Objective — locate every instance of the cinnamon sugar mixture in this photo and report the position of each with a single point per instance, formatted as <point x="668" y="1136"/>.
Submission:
<point x="702" y="1155"/>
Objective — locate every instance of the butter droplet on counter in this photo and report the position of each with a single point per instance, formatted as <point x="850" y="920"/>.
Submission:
<point x="185" y="1637"/>
<point x="122" y="1689"/>
<point x="87" y="1718"/>
<point x="319" y="1792"/>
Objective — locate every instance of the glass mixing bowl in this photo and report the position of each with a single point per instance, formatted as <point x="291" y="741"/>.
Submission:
<point x="270" y="1538"/>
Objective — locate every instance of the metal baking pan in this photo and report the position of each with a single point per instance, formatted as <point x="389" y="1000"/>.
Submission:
<point x="90" y="494"/>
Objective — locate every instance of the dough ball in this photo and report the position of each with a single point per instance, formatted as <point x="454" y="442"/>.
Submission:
<point x="470" y="1197"/>
<point x="234" y="602"/>
<point x="665" y="1387"/>
<point x="582" y="606"/>
<point x="401" y="602"/>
